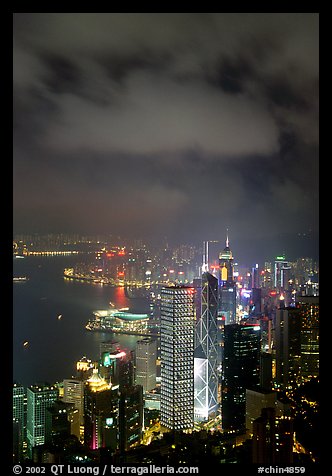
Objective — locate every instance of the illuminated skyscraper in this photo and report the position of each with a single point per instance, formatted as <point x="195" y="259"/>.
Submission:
<point x="297" y="342"/>
<point x="288" y="347"/>
<point x="309" y="311"/>
<point x="281" y="273"/>
<point x="19" y="427"/>
<point x="227" y="286"/>
<point x="39" y="398"/>
<point x="74" y="393"/>
<point x="240" y="372"/>
<point x="206" y="353"/>
<point x="101" y="413"/>
<point x="146" y="356"/>
<point x="177" y="357"/>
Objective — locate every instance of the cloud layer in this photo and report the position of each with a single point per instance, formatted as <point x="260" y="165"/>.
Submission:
<point x="208" y="120"/>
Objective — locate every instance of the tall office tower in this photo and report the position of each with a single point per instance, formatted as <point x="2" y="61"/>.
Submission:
<point x="206" y="352"/>
<point x="255" y="278"/>
<point x="101" y="413"/>
<point x="272" y="438"/>
<point x="240" y="372"/>
<point x="130" y="416"/>
<point x="177" y="357"/>
<point x="227" y="286"/>
<point x="309" y="311"/>
<point x="74" y="393"/>
<point x="281" y="273"/>
<point x="146" y="368"/>
<point x="39" y="398"/>
<point x="287" y="347"/>
<point x="19" y="424"/>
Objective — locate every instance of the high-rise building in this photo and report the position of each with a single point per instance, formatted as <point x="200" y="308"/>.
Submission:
<point x="309" y="312"/>
<point x="240" y="372"/>
<point x="62" y="420"/>
<point x="130" y="416"/>
<point x="255" y="278"/>
<point x="206" y="352"/>
<point x="101" y="413"/>
<point x="227" y="286"/>
<point x="146" y="356"/>
<point x="272" y="438"/>
<point x="19" y="421"/>
<point x="287" y="347"/>
<point x="281" y="273"/>
<point x="39" y="398"/>
<point x="177" y="357"/>
<point x="74" y="393"/>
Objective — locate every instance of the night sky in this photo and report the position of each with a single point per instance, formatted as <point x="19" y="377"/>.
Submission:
<point x="176" y="124"/>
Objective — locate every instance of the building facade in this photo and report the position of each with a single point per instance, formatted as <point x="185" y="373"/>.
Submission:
<point x="145" y="357"/>
<point x="39" y="399"/>
<point x="206" y="351"/>
<point x="177" y="357"/>
<point x="227" y="286"/>
<point x="74" y="393"/>
<point x="309" y="312"/>
<point x="240" y="372"/>
<point x="130" y="416"/>
<point x="19" y="421"/>
<point x="101" y="413"/>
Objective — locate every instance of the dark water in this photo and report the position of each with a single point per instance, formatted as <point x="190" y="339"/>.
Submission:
<point x="56" y="345"/>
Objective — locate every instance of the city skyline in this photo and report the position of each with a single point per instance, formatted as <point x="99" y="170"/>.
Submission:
<point x="166" y="239"/>
<point x="176" y="125"/>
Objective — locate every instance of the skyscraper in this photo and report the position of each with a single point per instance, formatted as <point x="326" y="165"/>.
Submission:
<point x="227" y="286"/>
<point x="309" y="311"/>
<point x="240" y="372"/>
<point x="281" y="273"/>
<point x="74" y="393"/>
<point x="39" y="398"/>
<point x="206" y="351"/>
<point x="130" y="416"/>
<point x="146" y="355"/>
<point x="288" y="347"/>
<point x="177" y="357"/>
<point x="19" y="426"/>
<point x="101" y="413"/>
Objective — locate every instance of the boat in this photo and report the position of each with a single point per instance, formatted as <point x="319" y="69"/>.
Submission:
<point x="20" y="279"/>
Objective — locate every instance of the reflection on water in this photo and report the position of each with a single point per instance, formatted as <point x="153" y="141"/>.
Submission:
<point x="55" y="344"/>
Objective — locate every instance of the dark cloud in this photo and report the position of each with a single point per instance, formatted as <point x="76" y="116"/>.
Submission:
<point x="166" y="124"/>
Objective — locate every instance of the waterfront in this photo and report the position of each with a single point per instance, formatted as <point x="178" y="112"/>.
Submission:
<point x="54" y="345"/>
